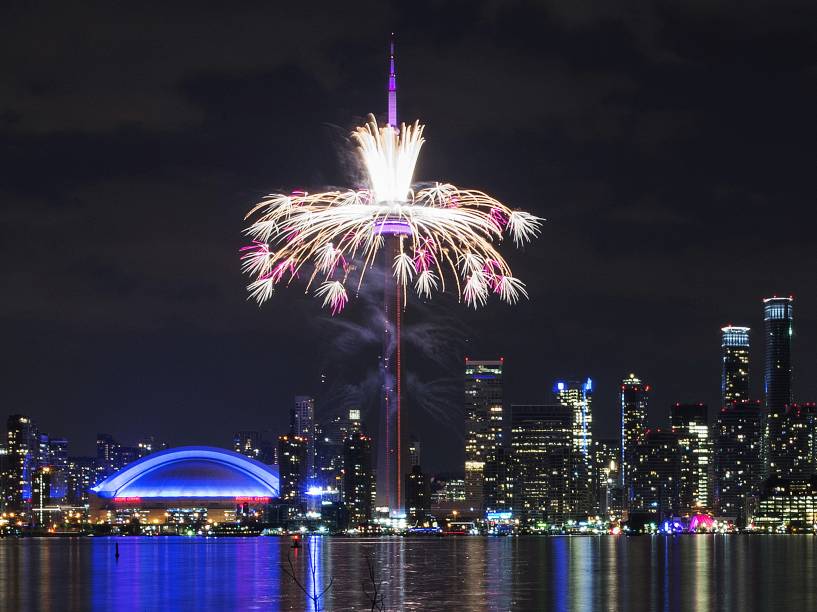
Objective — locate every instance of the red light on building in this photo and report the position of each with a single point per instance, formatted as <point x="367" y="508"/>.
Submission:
<point x="252" y="500"/>
<point x="126" y="500"/>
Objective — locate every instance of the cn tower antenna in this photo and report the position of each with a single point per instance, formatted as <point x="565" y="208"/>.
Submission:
<point x="392" y="86"/>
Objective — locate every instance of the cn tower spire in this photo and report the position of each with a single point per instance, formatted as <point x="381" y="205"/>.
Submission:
<point x="392" y="86"/>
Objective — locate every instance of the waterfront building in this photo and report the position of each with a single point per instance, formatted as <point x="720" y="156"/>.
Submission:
<point x="778" y="315"/>
<point x="691" y="423"/>
<point x="787" y="503"/>
<point x="483" y="424"/>
<point x="738" y="461"/>
<point x="80" y="477"/>
<point x="798" y="458"/>
<point x="22" y="446"/>
<point x="106" y="455"/>
<point x="607" y="455"/>
<point x="634" y="400"/>
<point x="542" y="448"/>
<point x="292" y="469"/>
<point x="418" y="496"/>
<point x="498" y="481"/>
<point x="188" y="485"/>
<point x="302" y="423"/>
<point x="657" y="474"/>
<point x="577" y="396"/>
<point x="735" y="364"/>
<point x="358" y="478"/>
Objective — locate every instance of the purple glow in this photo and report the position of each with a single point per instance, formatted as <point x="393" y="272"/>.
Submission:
<point x="701" y="521"/>
<point x="393" y="227"/>
<point x="392" y="87"/>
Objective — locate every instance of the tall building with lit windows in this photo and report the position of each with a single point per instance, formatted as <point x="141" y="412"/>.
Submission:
<point x="799" y="444"/>
<point x="484" y="425"/>
<point x="738" y="442"/>
<point x="358" y="477"/>
<point x="735" y="364"/>
<point x="635" y="397"/>
<point x="22" y="446"/>
<point x="690" y="423"/>
<point x="541" y="451"/>
<point x="578" y="395"/>
<point x="302" y="423"/>
<point x="778" y="316"/>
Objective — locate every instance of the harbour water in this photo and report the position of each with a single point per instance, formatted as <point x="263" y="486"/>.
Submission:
<point x="684" y="573"/>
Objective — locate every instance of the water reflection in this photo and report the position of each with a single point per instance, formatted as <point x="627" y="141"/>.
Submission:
<point x="560" y="573"/>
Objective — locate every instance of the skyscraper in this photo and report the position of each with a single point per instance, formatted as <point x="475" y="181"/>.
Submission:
<point x="22" y="447"/>
<point x="483" y="424"/>
<point x="657" y="474"/>
<point x="302" y="423"/>
<point x="735" y="358"/>
<point x="418" y="495"/>
<point x="292" y="469"/>
<point x="634" y="399"/>
<point x="541" y="449"/>
<point x="690" y="423"/>
<point x="799" y="444"/>
<point x="358" y="478"/>
<point x="738" y="440"/>
<point x="778" y="315"/>
<point x="578" y="397"/>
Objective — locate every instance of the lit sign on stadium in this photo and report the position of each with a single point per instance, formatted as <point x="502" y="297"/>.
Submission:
<point x="127" y="500"/>
<point x="252" y="500"/>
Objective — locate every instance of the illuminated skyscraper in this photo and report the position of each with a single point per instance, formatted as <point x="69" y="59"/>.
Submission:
<point x="578" y="397"/>
<point x="778" y="317"/>
<point x="656" y="475"/>
<point x="735" y="357"/>
<point x="738" y="441"/>
<point x="22" y="447"/>
<point x="358" y="478"/>
<point x="635" y="396"/>
<point x="690" y="423"/>
<point x="292" y="469"/>
<point x="483" y="424"/>
<point x="418" y="496"/>
<point x="541" y="450"/>
<point x="607" y="468"/>
<point x="302" y="423"/>
<point x="799" y="444"/>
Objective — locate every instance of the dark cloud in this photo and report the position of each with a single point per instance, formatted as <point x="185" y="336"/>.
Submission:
<point x="670" y="145"/>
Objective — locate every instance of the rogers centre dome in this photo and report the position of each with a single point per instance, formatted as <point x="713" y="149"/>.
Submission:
<point x="187" y="477"/>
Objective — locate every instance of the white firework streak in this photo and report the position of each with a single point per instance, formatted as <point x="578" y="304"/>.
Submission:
<point x="426" y="282"/>
<point x="510" y="289"/>
<point x="334" y="295"/>
<point x="444" y="230"/>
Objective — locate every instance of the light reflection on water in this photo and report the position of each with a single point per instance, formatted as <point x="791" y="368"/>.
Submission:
<point x="697" y="573"/>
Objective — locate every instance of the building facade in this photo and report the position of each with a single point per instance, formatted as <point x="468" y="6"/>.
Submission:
<point x="578" y="396"/>
<point x="735" y="364"/>
<point x="635" y="397"/>
<point x="657" y="474"/>
<point x="358" y="476"/>
<point x="691" y="423"/>
<point x="739" y="468"/>
<point x="484" y="423"/>
<point x="778" y="316"/>
<point x="541" y="449"/>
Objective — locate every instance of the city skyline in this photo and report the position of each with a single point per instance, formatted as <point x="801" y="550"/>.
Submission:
<point x="302" y="414"/>
<point x="650" y="201"/>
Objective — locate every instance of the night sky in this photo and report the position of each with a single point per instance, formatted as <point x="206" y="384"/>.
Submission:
<point x="671" y="146"/>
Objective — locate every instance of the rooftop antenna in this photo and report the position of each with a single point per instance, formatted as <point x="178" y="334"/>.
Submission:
<point x="392" y="86"/>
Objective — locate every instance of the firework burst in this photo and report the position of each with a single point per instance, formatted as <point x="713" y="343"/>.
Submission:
<point x="332" y="238"/>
